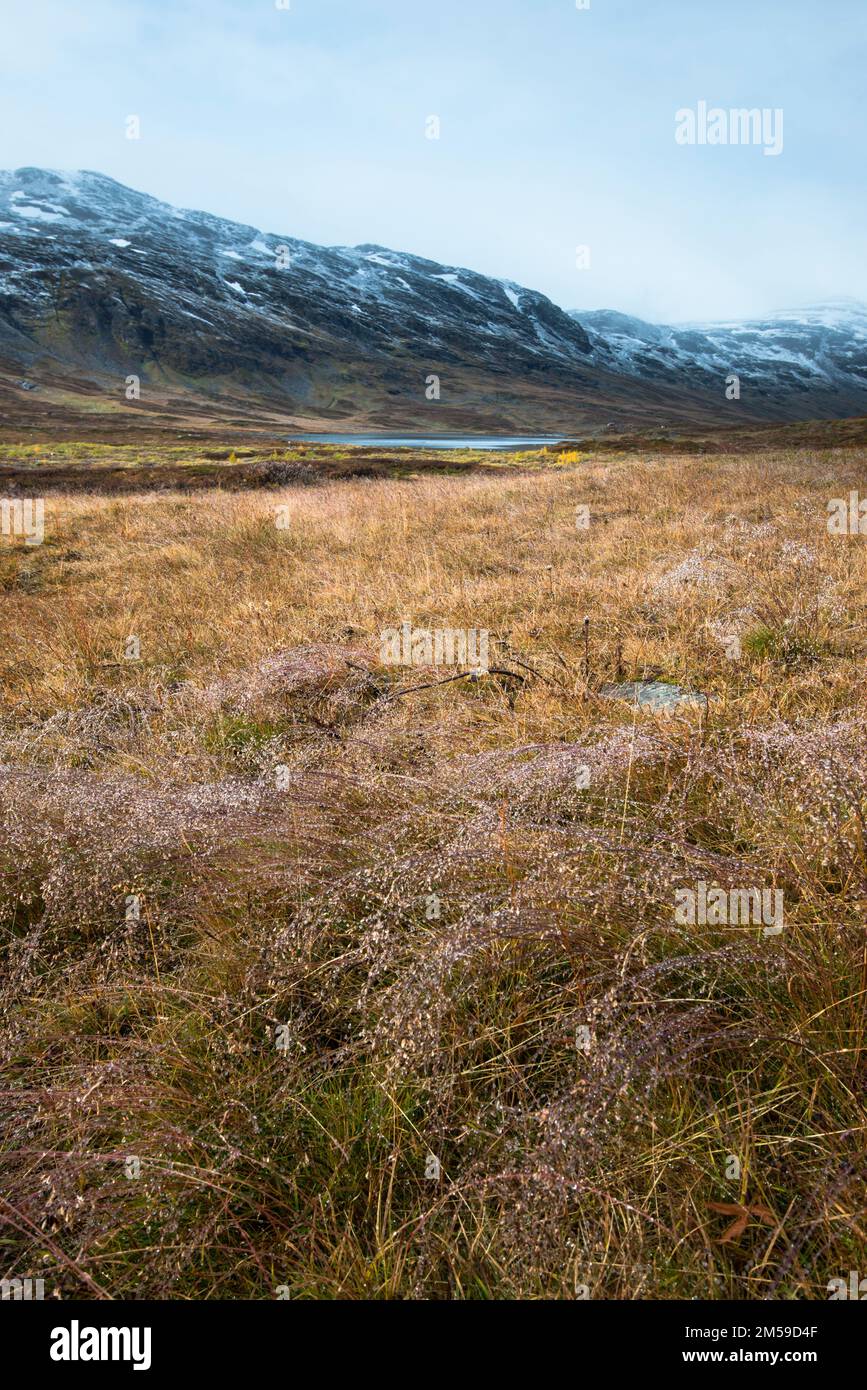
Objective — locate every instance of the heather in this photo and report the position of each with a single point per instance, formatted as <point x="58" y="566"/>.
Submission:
<point x="340" y="979"/>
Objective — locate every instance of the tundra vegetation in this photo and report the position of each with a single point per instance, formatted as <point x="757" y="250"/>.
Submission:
<point x="324" y="977"/>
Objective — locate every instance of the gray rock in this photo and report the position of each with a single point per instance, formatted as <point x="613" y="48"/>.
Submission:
<point x="654" y="695"/>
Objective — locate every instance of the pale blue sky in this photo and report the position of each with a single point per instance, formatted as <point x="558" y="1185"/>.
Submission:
<point x="557" y="130"/>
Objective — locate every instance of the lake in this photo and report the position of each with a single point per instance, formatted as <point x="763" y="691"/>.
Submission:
<point x="424" y="441"/>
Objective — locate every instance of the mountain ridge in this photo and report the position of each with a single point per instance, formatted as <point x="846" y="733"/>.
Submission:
<point x="818" y="349"/>
<point x="100" y="283"/>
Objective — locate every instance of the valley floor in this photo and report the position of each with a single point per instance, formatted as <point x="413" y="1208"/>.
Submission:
<point x="325" y="976"/>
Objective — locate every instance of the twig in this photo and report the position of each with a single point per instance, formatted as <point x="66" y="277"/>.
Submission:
<point x="461" y="676"/>
<point x="533" y="672"/>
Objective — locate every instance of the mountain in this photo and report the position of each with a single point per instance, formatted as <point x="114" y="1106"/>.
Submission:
<point x="815" y="356"/>
<point x="223" y="322"/>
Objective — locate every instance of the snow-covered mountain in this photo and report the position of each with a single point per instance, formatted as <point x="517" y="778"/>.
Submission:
<point x="103" y="281"/>
<point x="815" y="353"/>
<point x="99" y="282"/>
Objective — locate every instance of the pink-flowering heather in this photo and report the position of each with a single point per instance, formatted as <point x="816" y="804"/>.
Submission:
<point x="695" y="571"/>
<point x="338" y="675"/>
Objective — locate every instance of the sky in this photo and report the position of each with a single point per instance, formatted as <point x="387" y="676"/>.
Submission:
<point x="557" y="130"/>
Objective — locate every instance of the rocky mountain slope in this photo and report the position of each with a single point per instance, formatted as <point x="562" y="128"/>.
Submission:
<point x="817" y="355"/>
<point x="99" y="283"/>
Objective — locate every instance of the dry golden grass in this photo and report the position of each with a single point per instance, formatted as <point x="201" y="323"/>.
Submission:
<point x="210" y="584"/>
<point x="306" y="904"/>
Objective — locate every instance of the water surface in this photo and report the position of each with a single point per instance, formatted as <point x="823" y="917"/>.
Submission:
<point x="430" y="441"/>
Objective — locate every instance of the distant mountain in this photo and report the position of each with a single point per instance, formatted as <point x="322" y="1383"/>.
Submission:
<point x="816" y="356"/>
<point x="220" y="320"/>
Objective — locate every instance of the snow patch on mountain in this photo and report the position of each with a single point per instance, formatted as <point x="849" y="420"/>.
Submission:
<point x="511" y="296"/>
<point x="39" y="214"/>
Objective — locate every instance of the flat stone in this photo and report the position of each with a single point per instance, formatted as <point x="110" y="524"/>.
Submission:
<point x="654" y="695"/>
